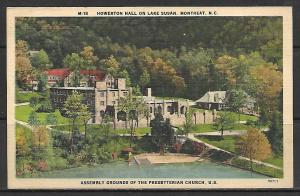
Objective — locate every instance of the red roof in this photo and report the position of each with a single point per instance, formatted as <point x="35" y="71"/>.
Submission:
<point x="62" y="73"/>
<point x="99" y="74"/>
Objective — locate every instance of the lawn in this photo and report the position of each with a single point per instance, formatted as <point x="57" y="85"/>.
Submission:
<point x="243" y="117"/>
<point x="258" y="168"/>
<point x="228" y="143"/>
<point x="275" y="160"/>
<point x="23" y="112"/>
<point x="138" y="131"/>
<point x="24" y="96"/>
<point x="202" y="128"/>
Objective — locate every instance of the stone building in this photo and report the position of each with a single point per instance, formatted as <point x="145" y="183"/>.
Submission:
<point x="213" y="100"/>
<point x="64" y="77"/>
<point x="104" y="96"/>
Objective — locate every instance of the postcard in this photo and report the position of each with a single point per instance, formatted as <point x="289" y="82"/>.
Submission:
<point x="149" y="97"/>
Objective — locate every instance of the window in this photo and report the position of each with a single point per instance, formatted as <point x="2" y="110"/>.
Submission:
<point x="113" y="94"/>
<point x="101" y="94"/>
<point x="151" y="110"/>
<point x="101" y="102"/>
<point x="125" y="93"/>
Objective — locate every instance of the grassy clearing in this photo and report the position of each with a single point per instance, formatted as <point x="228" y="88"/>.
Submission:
<point x="202" y="128"/>
<point x="228" y="143"/>
<point x="243" y="117"/>
<point x="275" y="160"/>
<point x="24" y="97"/>
<point x="23" y="112"/>
<point x="258" y="168"/>
<point x="138" y="131"/>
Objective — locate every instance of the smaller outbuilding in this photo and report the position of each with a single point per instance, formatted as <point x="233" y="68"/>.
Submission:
<point x="213" y="100"/>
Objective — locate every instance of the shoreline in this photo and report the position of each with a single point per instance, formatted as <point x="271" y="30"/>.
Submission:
<point x="168" y="158"/>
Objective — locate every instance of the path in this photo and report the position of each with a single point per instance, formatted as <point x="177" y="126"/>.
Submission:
<point x="225" y="133"/>
<point x="20" y="104"/>
<point x="192" y="137"/>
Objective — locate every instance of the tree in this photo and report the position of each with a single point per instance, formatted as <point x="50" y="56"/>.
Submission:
<point x="225" y="120"/>
<point x="161" y="132"/>
<point x="237" y="100"/>
<point x="106" y="125"/>
<point x="42" y="82"/>
<point x="226" y="66"/>
<point x="34" y="101"/>
<point x="124" y="74"/>
<point x="111" y="65"/>
<point x="51" y="119"/>
<point x="162" y="73"/>
<point x="254" y="145"/>
<point x="40" y="137"/>
<point x="22" y="144"/>
<point x="267" y="86"/>
<point x="32" y="119"/>
<point x="89" y="60"/>
<point x="134" y="108"/>
<point x="144" y="80"/>
<point x="75" y="63"/>
<point x="88" y="55"/>
<point x="73" y="108"/>
<point x="275" y="133"/>
<point x="41" y="61"/>
<point x="188" y="125"/>
<point x="85" y="116"/>
<point x="23" y="64"/>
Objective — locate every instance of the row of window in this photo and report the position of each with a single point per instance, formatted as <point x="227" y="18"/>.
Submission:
<point x="53" y="78"/>
<point x="102" y="94"/>
<point x="102" y="103"/>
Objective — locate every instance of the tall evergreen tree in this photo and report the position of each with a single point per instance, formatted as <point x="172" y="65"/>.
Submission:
<point x="275" y="133"/>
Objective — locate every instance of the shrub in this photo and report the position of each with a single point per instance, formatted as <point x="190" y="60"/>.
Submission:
<point x="45" y="106"/>
<point x="57" y="162"/>
<point x="33" y="101"/>
<point x="42" y="166"/>
<point x="188" y="147"/>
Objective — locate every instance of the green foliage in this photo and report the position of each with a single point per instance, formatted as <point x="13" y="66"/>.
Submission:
<point x="224" y="121"/>
<point x="42" y="82"/>
<point x="144" y="80"/>
<point x="45" y="106"/>
<point x="275" y="133"/>
<point x="276" y="173"/>
<point x="162" y="133"/>
<point x="188" y="147"/>
<point x="228" y="142"/>
<point x="22" y="113"/>
<point x="51" y="119"/>
<point x="32" y="119"/>
<point x="188" y="125"/>
<point x="134" y="107"/>
<point x="33" y="101"/>
<point x="75" y="63"/>
<point x="40" y="60"/>
<point x="237" y="100"/>
<point x="24" y="97"/>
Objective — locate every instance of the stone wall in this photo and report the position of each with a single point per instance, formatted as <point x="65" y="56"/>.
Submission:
<point x="175" y="119"/>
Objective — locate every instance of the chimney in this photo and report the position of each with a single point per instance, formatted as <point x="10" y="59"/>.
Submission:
<point x="130" y="91"/>
<point x="149" y="92"/>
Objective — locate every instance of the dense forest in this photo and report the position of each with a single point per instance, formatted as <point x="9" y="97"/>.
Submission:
<point x="176" y="56"/>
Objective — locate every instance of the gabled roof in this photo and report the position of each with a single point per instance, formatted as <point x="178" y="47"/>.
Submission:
<point x="62" y="73"/>
<point x="99" y="74"/>
<point x="213" y="97"/>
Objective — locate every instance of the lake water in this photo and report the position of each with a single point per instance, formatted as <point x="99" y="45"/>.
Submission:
<point x="203" y="169"/>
